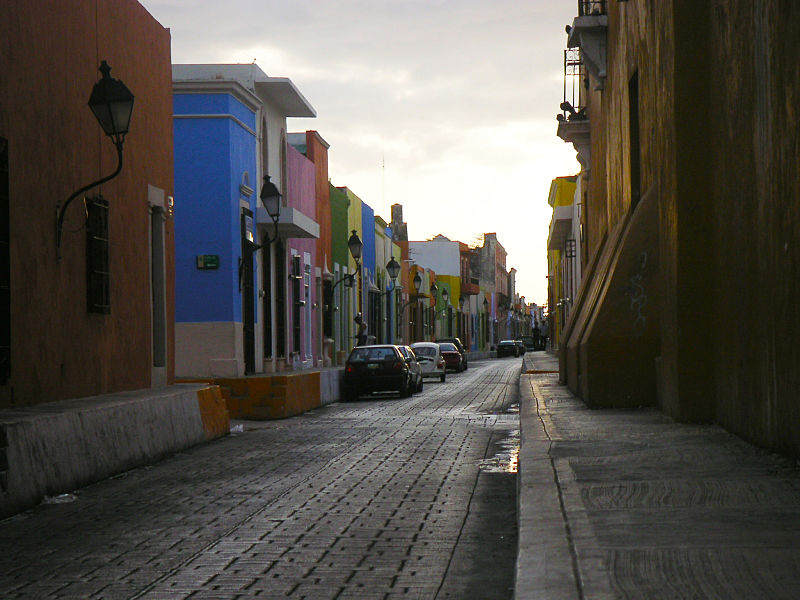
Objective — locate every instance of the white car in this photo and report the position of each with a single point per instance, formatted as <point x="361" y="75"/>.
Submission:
<point x="430" y="359"/>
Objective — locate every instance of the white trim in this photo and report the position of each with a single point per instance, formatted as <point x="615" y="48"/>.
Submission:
<point x="233" y="118"/>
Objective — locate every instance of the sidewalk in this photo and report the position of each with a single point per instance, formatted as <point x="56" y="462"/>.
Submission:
<point x="55" y="447"/>
<point x="629" y="504"/>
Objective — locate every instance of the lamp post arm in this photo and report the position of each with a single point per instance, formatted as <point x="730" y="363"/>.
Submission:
<point x="409" y="303"/>
<point x="389" y="291"/>
<point x="348" y="276"/>
<point x="62" y="210"/>
<point x="341" y="280"/>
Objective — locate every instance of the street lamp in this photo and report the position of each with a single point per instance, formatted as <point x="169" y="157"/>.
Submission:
<point x="393" y="267"/>
<point x="417" y="283"/>
<point x="355" y="246"/>
<point x="271" y="199"/>
<point x="111" y="103"/>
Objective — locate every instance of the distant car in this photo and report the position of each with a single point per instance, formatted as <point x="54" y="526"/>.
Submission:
<point x="413" y="366"/>
<point x="452" y="357"/>
<point x="520" y="347"/>
<point x="529" y="343"/>
<point x="430" y="359"/>
<point x="457" y="343"/>
<point x="381" y="368"/>
<point x="507" y="348"/>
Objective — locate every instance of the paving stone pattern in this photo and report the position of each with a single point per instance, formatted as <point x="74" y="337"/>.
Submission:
<point x="371" y="499"/>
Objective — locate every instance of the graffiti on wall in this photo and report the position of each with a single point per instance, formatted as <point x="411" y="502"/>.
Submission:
<point x="638" y="296"/>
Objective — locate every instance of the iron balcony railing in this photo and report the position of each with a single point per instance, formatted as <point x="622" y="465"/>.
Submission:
<point x="592" y="7"/>
<point x="572" y="108"/>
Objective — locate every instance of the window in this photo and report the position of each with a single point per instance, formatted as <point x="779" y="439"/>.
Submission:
<point x="307" y="313"/>
<point x="98" y="296"/>
<point x="634" y="142"/>
<point x="5" y="267"/>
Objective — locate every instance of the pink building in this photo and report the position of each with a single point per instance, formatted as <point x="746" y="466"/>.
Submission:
<point x="301" y="255"/>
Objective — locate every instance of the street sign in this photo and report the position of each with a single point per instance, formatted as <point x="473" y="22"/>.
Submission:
<point x="208" y="261"/>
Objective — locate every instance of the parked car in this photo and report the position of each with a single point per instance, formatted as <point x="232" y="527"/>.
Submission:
<point x="529" y="343"/>
<point x="380" y="368"/>
<point x="452" y="357"/>
<point x="520" y="347"/>
<point x="457" y="343"/>
<point x="413" y="366"/>
<point x="430" y="360"/>
<point x="507" y="348"/>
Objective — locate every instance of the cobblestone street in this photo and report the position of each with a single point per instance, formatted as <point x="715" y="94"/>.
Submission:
<point x="380" y="498"/>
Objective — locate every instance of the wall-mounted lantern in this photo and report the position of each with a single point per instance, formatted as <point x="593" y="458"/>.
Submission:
<point x="271" y="199"/>
<point x="355" y="245"/>
<point x="417" y="281"/>
<point x="112" y="104"/>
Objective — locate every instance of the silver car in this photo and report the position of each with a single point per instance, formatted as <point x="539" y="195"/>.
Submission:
<point x="413" y="366"/>
<point x="429" y="356"/>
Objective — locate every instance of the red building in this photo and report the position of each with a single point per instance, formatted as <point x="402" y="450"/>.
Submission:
<point x="87" y="324"/>
<point x="68" y="333"/>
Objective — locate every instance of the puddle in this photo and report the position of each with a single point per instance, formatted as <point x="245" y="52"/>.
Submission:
<point x="60" y="499"/>
<point x="506" y="460"/>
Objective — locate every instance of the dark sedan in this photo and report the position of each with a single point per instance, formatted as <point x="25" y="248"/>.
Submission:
<point x="372" y="369"/>
<point x="507" y="348"/>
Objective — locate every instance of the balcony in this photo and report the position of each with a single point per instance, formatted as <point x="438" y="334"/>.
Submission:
<point x="592" y="7"/>
<point x="470" y="288"/>
<point x="589" y="33"/>
<point x="560" y="227"/>
<point x="573" y="122"/>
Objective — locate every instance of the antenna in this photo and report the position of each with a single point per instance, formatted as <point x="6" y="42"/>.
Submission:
<point x="383" y="178"/>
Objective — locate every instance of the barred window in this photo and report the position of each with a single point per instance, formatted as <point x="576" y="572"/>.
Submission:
<point x="5" y="267"/>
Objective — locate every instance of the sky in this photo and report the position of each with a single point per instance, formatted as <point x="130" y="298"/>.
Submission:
<point x="447" y="107"/>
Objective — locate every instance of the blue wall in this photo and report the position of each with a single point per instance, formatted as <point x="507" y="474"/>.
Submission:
<point x="368" y="239"/>
<point x="210" y="156"/>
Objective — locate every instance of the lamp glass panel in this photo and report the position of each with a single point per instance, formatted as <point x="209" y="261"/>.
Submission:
<point x="273" y="206"/>
<point x="355" y="245"/>
<point x="393" y="267"/>
<point x="121" y="112"/>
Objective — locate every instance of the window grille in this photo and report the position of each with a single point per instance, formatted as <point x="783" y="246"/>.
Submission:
<point x="5" y="267"/>
<point x="572" y="107"/>
<point x="591" y="7"/>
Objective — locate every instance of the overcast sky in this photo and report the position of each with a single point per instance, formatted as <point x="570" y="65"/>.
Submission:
<point x="444" y="106"/>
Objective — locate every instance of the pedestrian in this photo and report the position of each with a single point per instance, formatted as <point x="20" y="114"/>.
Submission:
<point x="544" y="334"/>
<point x="536" y="333"/>
<point x="361" y="333"/>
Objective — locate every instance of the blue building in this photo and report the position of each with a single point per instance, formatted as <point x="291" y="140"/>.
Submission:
<point x="229" y="132"/>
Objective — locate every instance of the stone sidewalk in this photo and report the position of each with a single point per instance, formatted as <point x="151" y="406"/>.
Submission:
<point x="629" y="504"/>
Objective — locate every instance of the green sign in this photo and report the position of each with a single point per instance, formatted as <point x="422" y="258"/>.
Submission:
<point x="208" y="261"/>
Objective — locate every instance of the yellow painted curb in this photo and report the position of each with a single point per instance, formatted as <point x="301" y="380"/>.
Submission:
<point x="213" y="412"/>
